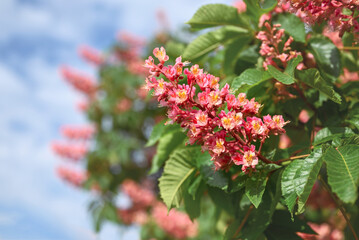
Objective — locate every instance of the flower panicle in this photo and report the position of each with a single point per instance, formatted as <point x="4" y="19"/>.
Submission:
<point x="224" y="124"/>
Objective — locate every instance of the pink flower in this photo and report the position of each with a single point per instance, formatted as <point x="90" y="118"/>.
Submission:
<point x="174" y="223"/>
<point x="79" y="81"/>
<point x="91" y="55"/>
<point x="271" y="38"/>
<point x="70" y="150"/>
<point x="201" y="118"/>
<point x="72" y="176"/>
<point x="160" y="54"/>
<point x="124" y="105"/>
<point x="250" y="159"/>
<point x="200" y="108"/>
<point x="140" y="197"/>
<point x="78" y="132"/>
<point x="240" y="5"/>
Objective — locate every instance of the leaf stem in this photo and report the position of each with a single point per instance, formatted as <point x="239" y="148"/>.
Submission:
<point x="243" y="222"/>
<point x="349" y="48"/>
<point x="292" y="158"/>
<point x="340" y="206"/>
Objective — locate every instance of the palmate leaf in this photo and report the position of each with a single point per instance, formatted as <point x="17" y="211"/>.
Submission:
<point x="212" y="15"/>
<point x="212" y="40"/>
<point x="312" y="78"/>
<point x="298" y="179"/>
<point x="343" y="171"/>
<point x="178" y="168"/>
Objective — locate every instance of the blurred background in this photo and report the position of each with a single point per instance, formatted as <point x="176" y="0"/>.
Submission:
<point x="37" y="37"/>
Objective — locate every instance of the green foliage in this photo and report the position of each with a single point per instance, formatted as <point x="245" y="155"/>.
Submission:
<point x="286" y="77"/>
<point x="212" y="15"/>
<point x="255" y="186"/>
<point x="167" y="143"/>
<point x="212" y="40"/>
<point x="330" y="133"/>
<point x="313" y="78"/>
<point x="327" y="56"/>
<point x="177" y="170"/>
<point x="255" y="9"/>
<point x="343" y="171"/>
<point x="298" y="179"/>
<point x="249" y="78"/>
<point x="292" y="26"/>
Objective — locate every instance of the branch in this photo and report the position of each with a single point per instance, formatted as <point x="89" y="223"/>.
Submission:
<point x="243" y="222"/>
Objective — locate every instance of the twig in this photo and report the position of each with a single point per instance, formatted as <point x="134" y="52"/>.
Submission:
<point x="340" y="206"/>
<point x="349" y="48"/>
<point x="243" y="222"/>
<point x="292" y="158"/>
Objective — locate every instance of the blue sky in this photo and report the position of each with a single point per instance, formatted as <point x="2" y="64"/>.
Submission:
<point x="36" y="37"/>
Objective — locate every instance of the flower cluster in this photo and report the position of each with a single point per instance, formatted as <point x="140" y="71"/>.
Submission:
<point x="240" y="5"/>
<point x="140" y="196"/>
<point x="145" y="207"/>
<point x="70" y="151"/>
<point x="224" y="124"/>
<point x="340" y="15"/>
<point x="175" y="223"/>
<point x="270" y="48"/>
<point x="91" y="55"/>
<point x="79" y="81"/>
<point x="72" y="176"/>
<point x="77" y="132"/>
<point x="128" y="52"/>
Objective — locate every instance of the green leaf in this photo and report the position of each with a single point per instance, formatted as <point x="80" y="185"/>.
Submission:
<point x="260" y="218"/>
<point x="312" y="78"/>
<point x="255" y="10"/>
<point x="286" y="77"/>
<point x="299" y="177"/>
<point x="343" y="171"/>
<point x="214" y="178"/>
<point x="167" y="144"/>
<point x="255" y="186"/>
<point x="192" y="189"/>
<point x="174" y="48"/>
<point x="329" y="133"/>
<point x="249" y="78"/>
<point x="326" y="55"/>
<point x="288" y="21"/>
<point x="232" y="53"/>
<point x="156" y="133"/>
<point x="177" y="170"/>
<point x="192" y="203"/>
<point x="226" y="201"/>
<point x="211" y="40"/>
<point x="212" y="15"/>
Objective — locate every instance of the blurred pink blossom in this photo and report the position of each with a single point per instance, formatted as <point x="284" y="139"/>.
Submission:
<point x="91" y="55"/>
<point x="70" y="150"/>
<point x="78" y="132"/>
<point x="175" y="223"/>
<point x="72" y="176"/>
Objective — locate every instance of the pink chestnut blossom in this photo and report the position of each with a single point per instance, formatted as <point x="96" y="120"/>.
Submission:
<point x="199" y="107"/>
